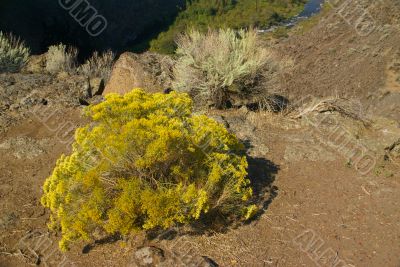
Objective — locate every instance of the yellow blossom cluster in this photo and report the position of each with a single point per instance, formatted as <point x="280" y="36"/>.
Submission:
<point x="144" y="162"/>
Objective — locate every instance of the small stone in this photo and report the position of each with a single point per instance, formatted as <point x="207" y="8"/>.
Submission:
<point x="7" y="220"/>
<point x="148" y="256"/>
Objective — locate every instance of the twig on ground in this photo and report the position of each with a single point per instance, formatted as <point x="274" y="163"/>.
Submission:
<point x="343" y="106"/>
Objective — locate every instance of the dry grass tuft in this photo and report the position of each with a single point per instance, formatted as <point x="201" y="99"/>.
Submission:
<point x="61" y="58"/>
<point x="99" y="65"/>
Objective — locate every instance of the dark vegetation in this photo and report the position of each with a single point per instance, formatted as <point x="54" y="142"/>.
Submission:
<point x="236" y="14"/>
<point x="133" y="25"/>
<point x="42" y="23"/>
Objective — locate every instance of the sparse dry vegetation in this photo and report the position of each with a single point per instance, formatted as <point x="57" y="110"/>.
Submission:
<point x="13" y="53"/>
<point x="214" y="65"/>
<point x="61" y="58"/>
<point x="99" y="65"/>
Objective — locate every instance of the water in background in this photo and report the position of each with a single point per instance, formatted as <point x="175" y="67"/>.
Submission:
<point x="311" y="8"/>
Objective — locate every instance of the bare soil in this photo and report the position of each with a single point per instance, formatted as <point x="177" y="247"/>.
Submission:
<point x="319" y="207"/>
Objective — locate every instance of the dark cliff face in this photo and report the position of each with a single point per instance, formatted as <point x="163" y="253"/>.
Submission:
<point x="88" y="25"/>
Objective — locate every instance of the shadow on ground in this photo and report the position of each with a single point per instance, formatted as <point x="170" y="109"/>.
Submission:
<point x="262" y="174"/>
<point x="106" y="240"/>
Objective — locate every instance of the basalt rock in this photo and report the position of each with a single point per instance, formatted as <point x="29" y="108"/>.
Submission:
<point x="149" y="71"/>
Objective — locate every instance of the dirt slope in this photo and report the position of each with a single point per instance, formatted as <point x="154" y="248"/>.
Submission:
<point x="321" y="205"/>
<point x="337" y="57"/>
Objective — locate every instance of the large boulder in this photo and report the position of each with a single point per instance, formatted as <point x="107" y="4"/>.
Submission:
<point x="150" y="71"/>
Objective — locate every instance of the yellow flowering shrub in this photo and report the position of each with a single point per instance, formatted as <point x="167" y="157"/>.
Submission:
<point x="144" y="162"/>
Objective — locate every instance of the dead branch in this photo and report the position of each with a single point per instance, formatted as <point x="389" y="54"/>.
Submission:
<point x="343" y="106"/>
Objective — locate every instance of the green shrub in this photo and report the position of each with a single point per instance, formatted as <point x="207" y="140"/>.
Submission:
<point x="13" y="53"/>
<point x="214" y="65"/>
<point x="164" y="44"/>
<point x="60" y="58"/>
<point x="145" y="162"/>
<point x="234" y="14"/>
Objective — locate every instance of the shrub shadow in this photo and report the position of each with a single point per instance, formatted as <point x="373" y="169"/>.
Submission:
<point x="261" y="173"/>
<point x="106" y="240"/>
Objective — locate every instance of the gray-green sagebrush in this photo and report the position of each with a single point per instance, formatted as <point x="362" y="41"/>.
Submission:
<point x="13" y="53"/>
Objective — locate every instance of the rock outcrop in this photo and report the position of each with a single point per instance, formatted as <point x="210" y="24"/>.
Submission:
<point x="152" y="72"/>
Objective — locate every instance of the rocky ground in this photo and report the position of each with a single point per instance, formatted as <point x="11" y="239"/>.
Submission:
<point x="325" y="171"/>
